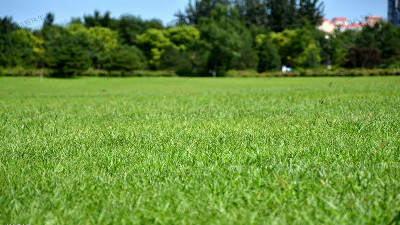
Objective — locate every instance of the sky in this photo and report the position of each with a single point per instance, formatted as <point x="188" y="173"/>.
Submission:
<point x="32" y="12"/>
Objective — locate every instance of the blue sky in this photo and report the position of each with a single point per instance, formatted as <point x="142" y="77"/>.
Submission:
<point x="30" y="11"/>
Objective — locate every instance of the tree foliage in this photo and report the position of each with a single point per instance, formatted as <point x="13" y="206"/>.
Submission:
<point x="269" y="58"/>
<point x="209" y="38"/>
<point x="66" y="56"/>
<point x="366" y="57"/>
<point x="124" y="58"/>
<point x="154" y="43"/>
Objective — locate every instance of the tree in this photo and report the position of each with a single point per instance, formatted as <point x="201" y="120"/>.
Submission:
<point x="96" y="41"/>
<point x="383" y="37"/>
<point x="224" y="36"/>
<point x="389" y="46"/>
<point x="362" y="57"/>
<point x="129" y="27"/>
<point x="311" y="10"/>
<point x="248" y="58"/>
<point x="6" y="27"/>
<point x="200" y="9"/>
<point x="97" y="20"/>
<point x="24" y="49"/>
<point x="153" y="24"/>
<point x="297" y="48"/>
<point x="341" y="42"/>
<point x="369" y="36"/>
<point x="125" y="58"/>
<point x="183" y="36"/>
<point x="48" y="21"/>
<point x="253" y="12"/>
<point x="153" y="43"/>
<point x="269" y="58"/>
<point x="281" y="15"/>
<point x="177" y="60"/>
<point x="66" y="56"/>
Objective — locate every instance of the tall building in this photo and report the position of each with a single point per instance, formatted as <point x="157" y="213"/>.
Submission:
<point x="394" y="12"/>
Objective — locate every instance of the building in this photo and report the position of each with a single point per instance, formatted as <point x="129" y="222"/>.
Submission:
<point x="372" y="20"/>
<point x="394" y="12"/>
<point x="342" y="23"/>
<point x="327" y="26"/>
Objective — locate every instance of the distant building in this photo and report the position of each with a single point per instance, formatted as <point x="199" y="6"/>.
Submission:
<point x="342" y="24"/>
<point x="394" y="12"/>
<point x="372" y="20"/>
<point x="327" y="26"/>
<point x="340" y="21"/>
<point x="357" y="27"/>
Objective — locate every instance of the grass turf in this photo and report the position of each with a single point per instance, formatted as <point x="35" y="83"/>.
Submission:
<point x="200" y="151"/>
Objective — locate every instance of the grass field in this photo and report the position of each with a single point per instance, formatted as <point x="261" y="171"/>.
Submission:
<point x="200" y="151"/>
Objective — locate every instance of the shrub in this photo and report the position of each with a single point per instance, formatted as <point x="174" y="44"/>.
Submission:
<point x="124" y="58"/>
<point x="66" y="57"/>
<point x="358" y="57"/>
<point x="268" y="55"/>
<point x="178" y="61"/>
<point x="242" y="73"/>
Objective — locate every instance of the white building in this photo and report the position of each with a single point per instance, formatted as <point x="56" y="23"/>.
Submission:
<point x="342" y="24"/>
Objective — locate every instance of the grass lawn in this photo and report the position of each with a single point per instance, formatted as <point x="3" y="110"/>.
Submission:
<point x="200" y="151"/>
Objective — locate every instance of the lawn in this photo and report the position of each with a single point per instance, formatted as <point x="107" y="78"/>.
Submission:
<point x="200" y="151"/>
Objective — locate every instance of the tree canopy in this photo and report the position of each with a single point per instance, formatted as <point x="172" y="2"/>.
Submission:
<point x="209" y="38"/>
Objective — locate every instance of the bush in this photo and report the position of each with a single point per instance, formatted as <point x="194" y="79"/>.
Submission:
<point x="124" y="58"/>
<point x="358" y="57"/>
<point x="268" y="56"/>
<point x="66" y="57"/>
<point x="242" y="73"/>
<point x="91" y="72"/>
<point x="158" y="73"/>
<point x="25" y="72"/>
<point x="248" y="59"/>
<point x="178" y="61"/>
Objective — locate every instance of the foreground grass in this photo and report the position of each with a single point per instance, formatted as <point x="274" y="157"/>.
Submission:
<point x="200" y="151"/>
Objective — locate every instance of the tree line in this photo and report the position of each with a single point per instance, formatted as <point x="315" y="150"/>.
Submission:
<point x="208" y="38"/>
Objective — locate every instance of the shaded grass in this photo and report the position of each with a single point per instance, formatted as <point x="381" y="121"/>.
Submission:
<point x="200" y="151"/>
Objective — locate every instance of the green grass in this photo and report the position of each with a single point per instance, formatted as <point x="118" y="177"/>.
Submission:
<point x="200" y="151"/>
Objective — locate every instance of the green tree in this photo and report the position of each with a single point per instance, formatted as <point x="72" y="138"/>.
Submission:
<point x="98" y="20"/>
<point x="269" y="58"/>
<point x="24" y="49"/>
<point x="183" y="36"/>
<point x="48" y="20"/>
<point x="389" y="44"/>
<point x="124" y="58"/>
<point x="66" y="56"/>
<point x="369" y="37"/>
<point x="341" y="42"/>
<point x="7" y="26"/>
<point x="253" y="12"/>
<point x="96" y="41"/>
<point x="297" y="48"/>
<point x="311" y="11"/>
<point x="129" y="27"/>
<point x="248" y="58"/>
<point x="383" y="37"/>
<point x="224" y="36"/>
<point x="153" y="43"/>
<point x="177" y="60"/>
<point x="281" y="15"/>
<point x="366" y="57"/>
<point x="200" y="9"/>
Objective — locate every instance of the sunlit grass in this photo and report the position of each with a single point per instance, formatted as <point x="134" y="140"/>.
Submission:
<point x="200" y="151"/>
